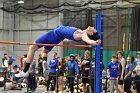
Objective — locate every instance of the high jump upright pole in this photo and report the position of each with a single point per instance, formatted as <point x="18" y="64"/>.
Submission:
<point x="98" y="55"/>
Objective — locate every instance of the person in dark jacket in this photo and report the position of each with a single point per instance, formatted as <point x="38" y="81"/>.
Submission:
<point x="72" y="68"/>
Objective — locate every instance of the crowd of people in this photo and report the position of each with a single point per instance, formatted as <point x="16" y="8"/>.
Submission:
<point x="70" y="66"/>
<point x="120" y="72"/>
<point x="73" y="66"/>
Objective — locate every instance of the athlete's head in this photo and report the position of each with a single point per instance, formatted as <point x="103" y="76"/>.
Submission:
<point x="92" y="33"/>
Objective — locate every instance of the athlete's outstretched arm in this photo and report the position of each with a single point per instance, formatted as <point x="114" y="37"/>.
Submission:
<point x="86" y="39"/>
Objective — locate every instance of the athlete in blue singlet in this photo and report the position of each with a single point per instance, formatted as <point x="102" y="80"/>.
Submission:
<point x="57" y="35"/>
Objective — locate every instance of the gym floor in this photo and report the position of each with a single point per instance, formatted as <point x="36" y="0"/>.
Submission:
<point x="38" y="90"/>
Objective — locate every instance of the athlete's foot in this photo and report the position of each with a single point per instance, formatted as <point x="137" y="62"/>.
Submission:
<point x="22" y="74"/>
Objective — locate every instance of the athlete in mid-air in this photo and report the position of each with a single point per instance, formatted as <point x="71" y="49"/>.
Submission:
<point x="55" y="36"/>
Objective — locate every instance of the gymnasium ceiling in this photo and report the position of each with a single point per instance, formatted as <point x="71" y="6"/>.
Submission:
<point x="95" y="4"/>
<point x="128" y="3"/>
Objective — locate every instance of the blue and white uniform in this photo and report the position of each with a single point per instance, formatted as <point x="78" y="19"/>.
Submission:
<point x="113" y="67"/>
<point x="56" y="36"/>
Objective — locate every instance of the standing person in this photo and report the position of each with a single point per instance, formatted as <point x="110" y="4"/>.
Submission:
<point x="52" y="70"/>
<point x="4" y="60"/>
<point x="127" y="77"/>
<point x="72" y="68"/>
<point x="33" y="66"/>
<point x="45" y="68"/>
<point x="22" y="61"/>
<point x="85" y="69"/>
<point x="57" y="35"/>
<point x="61" y="68"/>
<point x="40" y="65"/>
<point x="121" y="71"/>
<point x="10" y="62"/>
<point x="92" y="74"/>
<point x="77" y="57"/>
<point x="137" y="71"/>
<point x="112" y="74"/>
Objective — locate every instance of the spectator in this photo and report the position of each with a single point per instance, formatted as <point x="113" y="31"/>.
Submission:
<point x="40" y="65"/>
<point x="72" y="68"/>
<point x="52" y="70"/>
<point x="45" y="68"/>
<point x="127" y="77"/>
<point x="77" y="57"/>
<point x="22" y="61"/>
<point x="10" y="62"/>
<point x="92" y="71"/>
<point x="67" y="58"/>
<point x="4" y="60"/>
<point x="121" y="71"/>
<point x="85" y="69"/>
<point x="112" y="74"/>
<point x="79" y="64"/>
<point x="33" y="66"/>
<point x="5" y="65"/>
<point x="137" y="71"/>
<point x="61" y="68"/>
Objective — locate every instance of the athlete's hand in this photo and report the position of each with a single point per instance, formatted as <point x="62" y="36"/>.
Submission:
<point x="98" y="42"/>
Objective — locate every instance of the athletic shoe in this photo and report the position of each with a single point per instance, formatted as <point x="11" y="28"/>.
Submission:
<point x="22" y="74"/>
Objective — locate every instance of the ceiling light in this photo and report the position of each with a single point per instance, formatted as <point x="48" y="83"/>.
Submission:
<point x="20" y="1"/>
